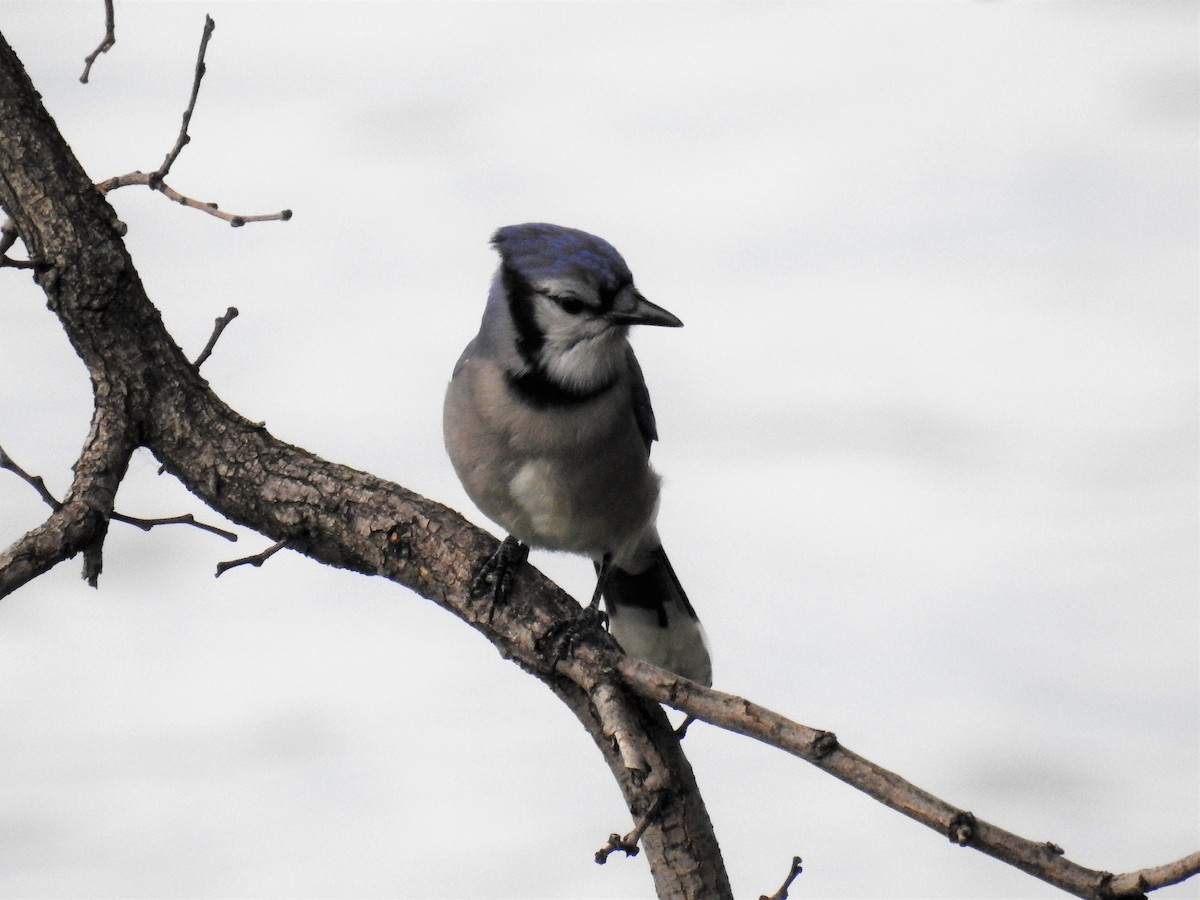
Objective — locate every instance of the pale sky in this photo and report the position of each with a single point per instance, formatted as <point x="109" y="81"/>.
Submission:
<point x="928" y="438"/>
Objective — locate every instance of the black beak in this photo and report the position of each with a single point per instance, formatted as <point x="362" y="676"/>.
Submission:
<point x="631" y="308"/>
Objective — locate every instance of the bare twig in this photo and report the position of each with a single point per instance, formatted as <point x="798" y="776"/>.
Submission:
<point x="256" y="560"/>
<point x="185" y="519"/>
<point x="7" y="462"/>
<point x="8" y="237"/>
<point x="154" y="180"/>
<point x="782" y="893"/>
<point x="682" y="730"/>
<point x="1044" y="859"/>
<point x="629" y="843"/>
<point x="184" y="138"/>
<point x="110" y="38"/>
<point x="39" y="485"/>
<point x="7" y="263"/>
<point x="148" y="179"/>
<point x="221" y="322"/>
<point x="1156" y="877"/>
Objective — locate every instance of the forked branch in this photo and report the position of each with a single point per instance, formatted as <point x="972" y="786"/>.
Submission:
<point x="156" y="180"/>
<point x="39" y="485"/>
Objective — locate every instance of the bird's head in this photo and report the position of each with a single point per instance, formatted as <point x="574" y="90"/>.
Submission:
<point x="571" y="299"/>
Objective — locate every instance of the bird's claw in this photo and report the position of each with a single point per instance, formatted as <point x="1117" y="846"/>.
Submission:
<point x="560" y="640"/>
<point x="495" y="576"/>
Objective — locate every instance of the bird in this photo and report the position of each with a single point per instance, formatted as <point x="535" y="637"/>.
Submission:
<point x="548" y="424"/>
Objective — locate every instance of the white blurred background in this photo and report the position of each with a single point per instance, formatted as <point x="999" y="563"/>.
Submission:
<point x="929" y="438"/>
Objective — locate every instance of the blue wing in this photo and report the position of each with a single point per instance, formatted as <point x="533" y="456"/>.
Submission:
<point x="643" y="412"/>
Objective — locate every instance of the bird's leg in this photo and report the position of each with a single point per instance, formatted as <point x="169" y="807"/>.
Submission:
<point x="602" y="571"/>
<point x="566" y="634"/>
<point x="496" y="573"/>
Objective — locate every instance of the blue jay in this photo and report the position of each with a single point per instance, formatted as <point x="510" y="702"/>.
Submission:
<point x="548" y="423"/>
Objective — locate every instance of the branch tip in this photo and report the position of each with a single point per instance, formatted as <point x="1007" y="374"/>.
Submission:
<point x="629" y="843"/>
<point x="156" y="180"/>
<point x="218" y="326"/>
<point x="110" y="38"/>
<point x="256" y="560"/>
<point x="782" y="893"/>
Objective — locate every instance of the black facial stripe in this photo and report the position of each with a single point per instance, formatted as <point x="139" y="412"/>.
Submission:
<point x="520" y="303"/>
<point x="536" y="387"/>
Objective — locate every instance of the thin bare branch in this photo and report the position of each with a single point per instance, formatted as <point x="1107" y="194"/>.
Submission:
<point x="1042" y="859"/>
<point x="154" y="180"/>
<point x="6" y="263"/>
<point x="782" y="893"/>
<point x="183" y="138"/>
<point x="110" y="38"/>
<point x="39" y="485"/>
<point x="219" y="326"/>
<point x="8" y="237"/>
<point x="628" y="844"/>
<point x="148" y="179"/>
<point x="256" y="560"/>
<point x="1130" y="883"/>
<point x="185" y="519"/>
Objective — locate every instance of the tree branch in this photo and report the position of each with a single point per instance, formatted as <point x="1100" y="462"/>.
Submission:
<point x="256" y="560"/>
<point x="1044" y="859"/>
<point x="155" y="180"/>
<point x="793" y="872"/>
<point x="183" y="138"/>
<point x="218" y="327"/>
<point x="39" y="485"/>
<point x="80" y="522"/>
<point x="110" y="38"/>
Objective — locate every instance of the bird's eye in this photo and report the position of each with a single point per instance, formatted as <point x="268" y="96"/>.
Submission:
<point x="571" y="305"/>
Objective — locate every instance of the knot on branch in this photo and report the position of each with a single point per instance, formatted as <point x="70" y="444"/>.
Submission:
<point x="961" y="829"/>
<point x="823" y="744"/>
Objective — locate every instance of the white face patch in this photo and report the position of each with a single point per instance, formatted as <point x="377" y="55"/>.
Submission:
<point x="582" y="351"/>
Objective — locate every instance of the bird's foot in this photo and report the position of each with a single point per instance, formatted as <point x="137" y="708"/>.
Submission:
<point x="495" y="576"/>
<point x="559" y="641"/>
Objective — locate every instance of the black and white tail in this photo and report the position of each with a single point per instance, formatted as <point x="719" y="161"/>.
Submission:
<point x="651" y="618"/>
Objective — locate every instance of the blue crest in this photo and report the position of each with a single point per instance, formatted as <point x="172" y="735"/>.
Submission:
<point x="538" y="249"/>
